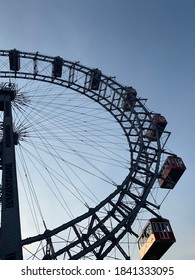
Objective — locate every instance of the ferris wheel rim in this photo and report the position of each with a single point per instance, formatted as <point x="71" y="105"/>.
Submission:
<point x="113" y="106"/>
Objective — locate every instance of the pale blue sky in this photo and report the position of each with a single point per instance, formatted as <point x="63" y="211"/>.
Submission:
<point x="149" y="44"/>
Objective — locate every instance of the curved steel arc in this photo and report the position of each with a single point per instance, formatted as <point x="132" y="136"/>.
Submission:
<point x="72" y="222"/>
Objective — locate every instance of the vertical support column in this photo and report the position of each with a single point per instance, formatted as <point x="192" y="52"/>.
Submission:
<point x="10" y="239"/>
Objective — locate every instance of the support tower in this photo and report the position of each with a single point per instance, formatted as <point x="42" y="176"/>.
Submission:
<point x="10" y="232"/>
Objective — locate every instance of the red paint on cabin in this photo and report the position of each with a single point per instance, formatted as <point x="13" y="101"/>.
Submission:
<point x="171" y="172"/>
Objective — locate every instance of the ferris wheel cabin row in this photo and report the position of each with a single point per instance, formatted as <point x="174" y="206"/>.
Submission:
<point x="157" y="236"/>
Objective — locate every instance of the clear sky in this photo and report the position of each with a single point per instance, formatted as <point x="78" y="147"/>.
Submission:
<point x="149" y="44"/>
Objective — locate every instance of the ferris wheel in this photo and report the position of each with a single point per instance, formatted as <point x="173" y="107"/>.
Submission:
<point x="83" y="161"/>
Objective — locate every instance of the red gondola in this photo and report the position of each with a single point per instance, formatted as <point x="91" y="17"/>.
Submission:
<point x="156" y="238"/>
<point x="95" y="79"/>
<point x="156" y="127"/>
<point x="14" y="60"/>
<point x="129" y="98"/>
<point x="57" y="67"/>
<point x="171" y="171"/>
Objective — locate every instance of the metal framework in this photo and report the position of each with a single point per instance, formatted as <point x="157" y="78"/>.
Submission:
<point x="122" y="206"/>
